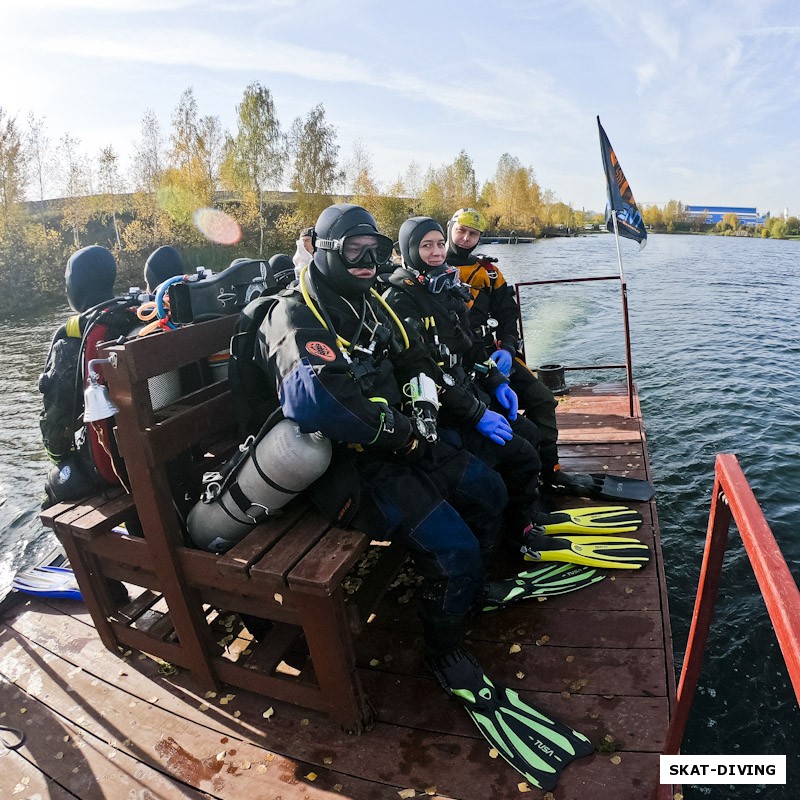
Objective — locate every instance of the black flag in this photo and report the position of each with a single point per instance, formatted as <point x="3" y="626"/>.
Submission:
<point x="620" y="197"/>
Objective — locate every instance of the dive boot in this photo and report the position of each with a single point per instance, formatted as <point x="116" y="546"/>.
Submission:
<point x="598" y="485"/>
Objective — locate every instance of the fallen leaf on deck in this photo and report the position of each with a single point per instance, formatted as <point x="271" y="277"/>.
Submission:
<point x="515" y="648"/>
<point x="268" y="713"/>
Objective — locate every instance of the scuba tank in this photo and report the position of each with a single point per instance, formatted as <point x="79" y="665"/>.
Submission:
<point x="266" y="474"/>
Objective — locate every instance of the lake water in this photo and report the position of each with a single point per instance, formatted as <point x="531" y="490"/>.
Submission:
<point x="715" y="358"/>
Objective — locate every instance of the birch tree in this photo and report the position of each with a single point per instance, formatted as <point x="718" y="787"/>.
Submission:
<point x="257" y="155"/>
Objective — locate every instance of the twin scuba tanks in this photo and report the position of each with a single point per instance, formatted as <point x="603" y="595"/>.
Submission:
<point x="266" y="474"/>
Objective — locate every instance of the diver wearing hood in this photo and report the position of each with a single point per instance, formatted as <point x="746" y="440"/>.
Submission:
<point x="495" y="322"/>
<point x="163" y="263"/>
<point x="340" y="361"/>
<point x="476" y="399"/>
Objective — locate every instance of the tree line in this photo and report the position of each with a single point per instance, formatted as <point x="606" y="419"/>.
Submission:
<point x="195" y="164"/>
<point x="673" y="218"/>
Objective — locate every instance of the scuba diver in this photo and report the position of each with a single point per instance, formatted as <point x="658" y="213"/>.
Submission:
<point x="282" y="270"/>
<point x="339" y="362"/>
<point x="494" y="318"/>
<point x="163" y="263"/>
<point x="477" y="402"/>
<point x="84" y="453"/>
<point x="429" y="291"/>
<point x="304" y="250"/>
<point x="344" y="364"/>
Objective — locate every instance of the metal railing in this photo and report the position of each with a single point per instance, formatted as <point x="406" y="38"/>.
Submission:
<point x="733" y="499"/>
<point x="627" y="366"/>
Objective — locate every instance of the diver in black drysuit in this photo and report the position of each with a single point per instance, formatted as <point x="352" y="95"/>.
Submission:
<point x="339" y="364"/>
<point x="470" y="380"/>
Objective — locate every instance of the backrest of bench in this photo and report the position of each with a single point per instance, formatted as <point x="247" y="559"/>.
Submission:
<point x="148" y="439"/>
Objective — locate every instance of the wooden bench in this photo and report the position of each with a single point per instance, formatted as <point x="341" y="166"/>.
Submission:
<point x="289" y="571"/>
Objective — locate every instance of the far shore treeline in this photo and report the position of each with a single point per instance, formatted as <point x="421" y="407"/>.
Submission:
<point x="273" y="181"/>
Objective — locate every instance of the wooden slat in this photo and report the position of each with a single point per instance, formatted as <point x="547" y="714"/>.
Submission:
<point x="242" y="556"/>
<point x="290" y="549"/>
<point x="325" y="565"/>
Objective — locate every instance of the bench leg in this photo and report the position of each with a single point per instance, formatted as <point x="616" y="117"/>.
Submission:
<point x="93" y="588"/>
<point x="330" y="645"/>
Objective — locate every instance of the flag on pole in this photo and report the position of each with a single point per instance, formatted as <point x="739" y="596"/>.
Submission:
<point x="620" y="197"/>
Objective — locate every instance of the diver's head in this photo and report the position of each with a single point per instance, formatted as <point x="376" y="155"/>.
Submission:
<point x="422" y="243"/>
<point x="163" y="263"/>
<point x="282" y="269"/>
<point x="349" y="249"/>
<point x="464" y="231"/>
<point x="307" y="238"/>
<point x="89" y="277"/>
<point x="424" y="249"/>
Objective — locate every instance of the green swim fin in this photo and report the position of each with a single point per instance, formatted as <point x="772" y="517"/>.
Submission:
<point x="534" y="743"/>
<point x="599" y="485"/>
<point x="544" y="580"/>
<point x="603" y="552"/>
<point x="606" y="519"/>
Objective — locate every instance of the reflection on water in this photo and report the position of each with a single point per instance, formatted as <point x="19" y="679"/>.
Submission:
<point x="715" y="355"/>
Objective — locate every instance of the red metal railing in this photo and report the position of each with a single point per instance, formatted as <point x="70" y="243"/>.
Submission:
<point x="733" y="499"/>
<point x="627" y="366"/>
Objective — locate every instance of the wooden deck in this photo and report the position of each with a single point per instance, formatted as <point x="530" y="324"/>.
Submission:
<point x="97" y="726"/>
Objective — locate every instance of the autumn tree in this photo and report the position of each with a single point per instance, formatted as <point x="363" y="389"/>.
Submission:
<point x="449" y="187"/>
<point x="39" y="155"/>
<point x="189" y="181"/>
<point x="76" y="186"/>
<point x="729" y="222"/>
<point x="147" y="173"/>
<point x="515" y="198"/>
<point x="12" y="169"/>
<point x="653" y="218"/>
<point x="675" y="216"/>
<point x="111" y="187"/>
<point x="315" y="172"/>
<point x="256" y="156"/>
<point x="359" y="179"/>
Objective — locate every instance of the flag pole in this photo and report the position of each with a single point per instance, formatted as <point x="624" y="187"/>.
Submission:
<point x="624" y="291"/>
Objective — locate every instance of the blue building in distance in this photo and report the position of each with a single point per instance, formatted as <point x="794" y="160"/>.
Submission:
<point x="745" y="214"/>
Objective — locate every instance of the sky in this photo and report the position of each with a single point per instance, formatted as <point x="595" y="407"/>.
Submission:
<point x="699" y="99"/>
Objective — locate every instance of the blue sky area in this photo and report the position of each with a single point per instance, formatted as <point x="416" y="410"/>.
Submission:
<point x="700" y="100"/>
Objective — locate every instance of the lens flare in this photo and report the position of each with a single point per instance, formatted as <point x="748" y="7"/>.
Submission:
<point x="217" y="226"/>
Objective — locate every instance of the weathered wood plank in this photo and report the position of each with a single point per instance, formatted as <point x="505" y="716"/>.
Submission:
<point x="390" y="757"/>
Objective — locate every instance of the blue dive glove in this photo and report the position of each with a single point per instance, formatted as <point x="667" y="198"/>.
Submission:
<point x="507" y="398"/>
<point x="503" y="360"/>
<point x="495" y="426"/>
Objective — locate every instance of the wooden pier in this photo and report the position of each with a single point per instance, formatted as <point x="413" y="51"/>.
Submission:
<point x="98" y="726"/>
